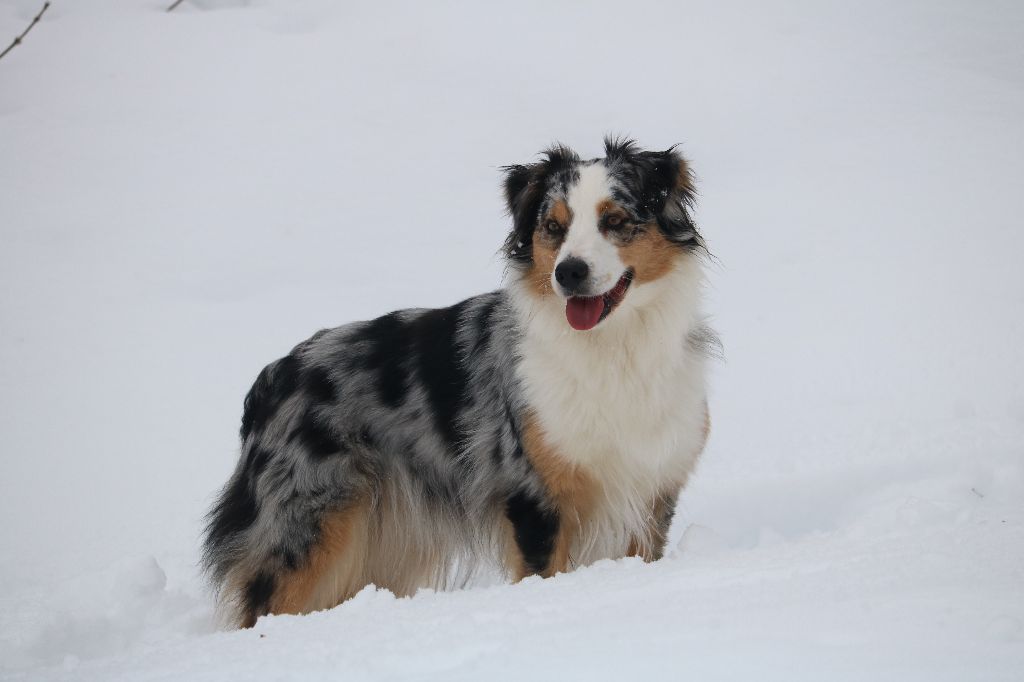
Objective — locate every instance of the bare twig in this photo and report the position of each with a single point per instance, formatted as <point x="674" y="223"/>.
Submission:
<point x="174" y="4"/>
<point x="17" y="41"/>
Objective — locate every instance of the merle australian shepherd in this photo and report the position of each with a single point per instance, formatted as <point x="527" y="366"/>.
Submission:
<point x="536" y="428"/>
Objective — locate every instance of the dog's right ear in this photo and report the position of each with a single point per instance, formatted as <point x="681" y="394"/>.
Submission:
<point x="524" y="192"/>
<point x="517" y="179"/>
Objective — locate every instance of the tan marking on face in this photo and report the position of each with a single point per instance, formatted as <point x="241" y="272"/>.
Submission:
<point x="607" y="206"/>
<point x="573" y="491"/>
<point x="539" y="276"/>
<point x="545" y="249"/>
<point x="560" y="213"/>
<point x="609" y="209"/>
<point x="649" y="254"/>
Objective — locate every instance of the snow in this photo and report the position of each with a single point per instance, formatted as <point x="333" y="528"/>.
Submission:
<point x="186" y="195"/>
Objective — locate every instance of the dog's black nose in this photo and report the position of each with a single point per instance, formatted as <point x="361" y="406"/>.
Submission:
<point x="571" y="273"/>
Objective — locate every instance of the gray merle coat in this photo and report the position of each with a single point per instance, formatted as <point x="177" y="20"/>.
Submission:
<point x="533" y="429"/>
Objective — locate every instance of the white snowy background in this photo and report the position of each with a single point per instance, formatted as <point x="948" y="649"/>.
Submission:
<point x="184" y="196"/>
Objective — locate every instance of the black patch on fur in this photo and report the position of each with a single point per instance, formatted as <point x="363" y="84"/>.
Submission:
<point x="319" y="385"/>
<point x="387" y="343"/>
<point x="258" y="593"/>
<point x="275" y="384"/>
<point x="535" y="529"/>
<point x="235" y="510"/>
<point x="317" y="437"/>
<point x="441" y="369"/>
<point x="287" y="557"/>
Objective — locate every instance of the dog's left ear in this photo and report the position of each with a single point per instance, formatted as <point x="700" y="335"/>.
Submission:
<point x="672" y="184"/>
<point x="674" y="177"/>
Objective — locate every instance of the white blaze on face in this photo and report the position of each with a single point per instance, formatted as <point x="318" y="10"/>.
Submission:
<point x="584" y="240"/>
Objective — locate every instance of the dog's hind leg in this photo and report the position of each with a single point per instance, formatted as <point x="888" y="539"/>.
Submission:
<point x="335" y="568"/>
<point x="332" y="570"/>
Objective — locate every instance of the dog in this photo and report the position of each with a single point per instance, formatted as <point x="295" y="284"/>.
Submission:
<point x="534" y="429"/>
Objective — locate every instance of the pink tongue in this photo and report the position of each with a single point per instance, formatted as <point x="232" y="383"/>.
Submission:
<point x="584" y="312"/>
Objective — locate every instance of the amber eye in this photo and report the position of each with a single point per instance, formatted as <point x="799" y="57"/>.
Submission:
<point x="615" y="221"/>
<point x="552" y="227"/>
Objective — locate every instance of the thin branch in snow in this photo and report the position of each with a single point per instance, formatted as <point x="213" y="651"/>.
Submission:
<point x="17" y="41"/>
<point x="174" y="4"/>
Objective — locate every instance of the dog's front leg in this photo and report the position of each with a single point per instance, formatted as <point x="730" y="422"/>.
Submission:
<point x="541" y="540"/>
<point x="652" y="547"/>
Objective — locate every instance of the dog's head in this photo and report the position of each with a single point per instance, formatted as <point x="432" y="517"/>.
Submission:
<point x="588" y="231"/>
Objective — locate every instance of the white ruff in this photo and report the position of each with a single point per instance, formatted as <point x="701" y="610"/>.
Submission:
<point x="623" y="401"/>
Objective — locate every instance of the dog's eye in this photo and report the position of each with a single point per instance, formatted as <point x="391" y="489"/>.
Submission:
<point x="615" y="222"/>
<point x="553" y="228"/>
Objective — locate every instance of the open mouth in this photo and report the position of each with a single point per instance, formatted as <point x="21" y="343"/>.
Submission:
<point x="584" y="312"/>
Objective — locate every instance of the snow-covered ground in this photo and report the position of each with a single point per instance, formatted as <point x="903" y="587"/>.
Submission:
<point x="183" y="196"/>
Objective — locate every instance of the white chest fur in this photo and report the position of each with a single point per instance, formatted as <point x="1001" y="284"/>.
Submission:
<point x="624" y="401"/>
